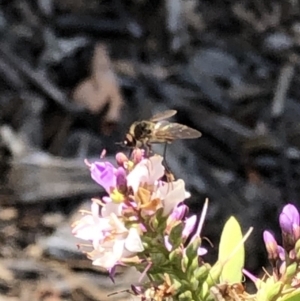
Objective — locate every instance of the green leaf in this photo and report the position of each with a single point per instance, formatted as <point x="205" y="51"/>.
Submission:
<point x="291" y="297"/>
<point x="231" y="257"/>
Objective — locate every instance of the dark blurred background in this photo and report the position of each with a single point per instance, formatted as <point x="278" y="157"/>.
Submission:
<point x="75" y="74"/>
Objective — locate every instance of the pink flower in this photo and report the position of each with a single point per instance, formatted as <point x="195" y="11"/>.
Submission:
<point x="147" y="171"/>
<point x="121" y="181"/>
<point x="110" y="208"/>
<point x="123" y="244"/>
<point x="171" y="195"/>
<point x="104" y="173"/>
<point x="253" y="278"/>
<point x="289" y="218"/>
<point x="271" y="245"/>
<point x="111" y="240"/>
<point x="190" y="224"/>
<point x="179" y="213"/>
<point x="91" y="227"/>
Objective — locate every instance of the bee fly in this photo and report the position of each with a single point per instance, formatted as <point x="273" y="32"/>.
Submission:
<point x="157" y="130"/>
<point x="144" y="133"/>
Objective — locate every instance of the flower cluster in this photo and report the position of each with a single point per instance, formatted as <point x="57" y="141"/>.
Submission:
<point x="284" y="282"/>
<point x="143" y="222"/>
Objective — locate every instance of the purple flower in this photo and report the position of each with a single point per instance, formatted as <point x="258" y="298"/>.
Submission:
<point x="121" y="180"/>
<point x="179" y="212"/>
<point x="281" y="253"/>
<point x="258" y="283"/>
<point x="289" y="218"/>
<point x="271" y="245"/>
<point x="190" y="224"/>
<point x="201" y="251"/>
<point x="104" y="173"/>
<point x="289" y="223"/>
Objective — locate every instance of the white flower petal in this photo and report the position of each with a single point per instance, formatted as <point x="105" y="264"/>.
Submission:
<point x="175" y="195"/>
<point x="156" y="169"/>
<point x="167" y="243"/>
<point x="111" y="208"/>
<point x="118" y="248"/>
<point x="117" y="224"/>
<point x="147" y="171"/>
<point x="89" y="229"/>
<point x="133" y="241"/>
<point x="95" y="211"/>
<point x="171" y="194"/>
<point x="105" y="260"/>
<point x="138" y="175"/>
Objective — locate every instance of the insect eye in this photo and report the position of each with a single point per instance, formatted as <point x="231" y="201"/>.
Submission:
<point x="129" y="140"/>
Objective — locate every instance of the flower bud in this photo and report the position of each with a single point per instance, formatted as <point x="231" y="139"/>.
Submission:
<point x="201" y="272"/>
<point x="288" y="217"/>
<point x="121" y="159"/>
<point x="289" y="223"/>
<point x="281" y="253"/>
<point x="175" y="256"/>
<point x="194" y="263"/>
<point x="192" y="248"/>
<point x="190" y="224"/>
<point x="137" y="155"/>
<point x="179" y="212"/>
<point x="175" y="235"/>
<point x="121" y="180"/>
<point x="184" y="263"/>
<point x="194" y="283"/>
<point x="296" y="232"/>
<point x="271" y="246"/>
<point x="290" y="272"/>
<point x="176" y="284"/>
<point x="186" y="296"/>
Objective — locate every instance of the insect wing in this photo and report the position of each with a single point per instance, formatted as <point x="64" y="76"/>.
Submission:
<point x="172" y="131"/>
<point x="163" y="115"/>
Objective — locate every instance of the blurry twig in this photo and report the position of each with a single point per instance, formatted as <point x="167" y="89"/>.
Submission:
<point x="268" y="19"/>
<point x="11" y="75"/>
<point x="284" y="81"/>
<point x="38" y="78"/>
<point x="279" y="121"/>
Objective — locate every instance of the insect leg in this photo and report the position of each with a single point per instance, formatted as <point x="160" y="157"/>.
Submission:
<point x="130" y="153"/>
<point x="148" y="150"/>
<point x="168" y="172"/>
<point x="169" y="175"/>
<point x="165" y="151"/>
